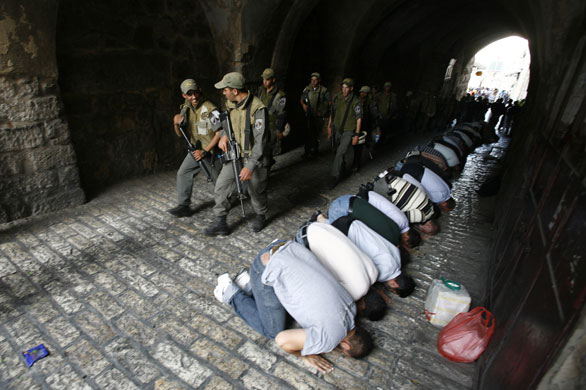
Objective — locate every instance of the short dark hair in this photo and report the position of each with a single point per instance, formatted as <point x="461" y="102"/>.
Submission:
<point x="360" y="343"/>
<point x="450" y="203"/>
<point x="414" y="238"/>
<point x="406" y="285"/>
<point x="375" y="306"/>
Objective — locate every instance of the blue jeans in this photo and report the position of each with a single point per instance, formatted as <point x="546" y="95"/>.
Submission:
<point x="263" y="311"/>
<point x="339" y="208"/>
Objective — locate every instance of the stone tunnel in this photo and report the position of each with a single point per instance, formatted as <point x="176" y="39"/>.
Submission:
<point x="88" y="90"/>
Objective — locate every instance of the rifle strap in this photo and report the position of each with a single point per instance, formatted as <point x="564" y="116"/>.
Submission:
<point x="317" y="102"/>
<point x="346" y="115"/>
<point x="273" y="99"/>
<point x="247" y="127"/>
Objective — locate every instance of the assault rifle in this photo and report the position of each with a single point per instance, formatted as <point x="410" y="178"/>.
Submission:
<point x="233" y="155"/>
<point x="191" y="148"/>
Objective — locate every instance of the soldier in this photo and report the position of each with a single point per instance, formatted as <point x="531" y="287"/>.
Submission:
<point x="316" y="102"/>
<point x="369" y="125"/>
<point x="274" y="100"/>
<point x="249" y="120"/>
<point x="195" y="111"/>
<point x="344" y="126"/>
<point x="388" y="109"/>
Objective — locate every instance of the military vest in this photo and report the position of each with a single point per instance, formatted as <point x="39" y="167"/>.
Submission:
<point x="238" y="119"/>
<point x="272" y="101"/>
<point x="198" y="122"/>
<point x="318" y="100"/>
<point x="354" y="112"/>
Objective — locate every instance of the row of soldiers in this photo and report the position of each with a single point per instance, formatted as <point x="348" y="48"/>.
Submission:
<point x="259" y="123"/>
<point x="340" y="266"/>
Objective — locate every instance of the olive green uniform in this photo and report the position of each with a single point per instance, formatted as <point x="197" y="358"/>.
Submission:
<point x="318" y="102"/>
<point x="252" y="156"/>
<point x="200" y="132"/>
<point x="275" y="100"/>
<point x="344" y="131"/>
<point x="388" y="108"/>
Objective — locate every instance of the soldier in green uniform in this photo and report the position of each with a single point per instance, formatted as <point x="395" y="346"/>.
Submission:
<point x="275" y="101"/>
<point x="388" y="108"/>
<point x="316" y="102"/>
<point x="369" y="125"/>
<point x="249" y="117"/>
<point x="196" y="113"/>
<point x="344" y="125"/>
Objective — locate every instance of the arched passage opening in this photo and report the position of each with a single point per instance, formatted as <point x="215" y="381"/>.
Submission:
<point x="119" y="79"/>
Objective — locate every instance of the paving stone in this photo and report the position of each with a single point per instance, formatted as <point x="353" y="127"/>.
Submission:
<point x="19" y="285"/>
<point x="62" y="331"/>
<point x="218" y="383"/>
<point x="181" y="364"/>
<point x="91" y="360"/>
<point x="134" y="328"/>
<point x="299" y="379"/>
<point x="133" y="360"/>
<point x="255" y="380"/>
<point x="115" y="380"/>
<point x="139" y="283"/>
<point x="259" y="356"/>
<point x="6" y="268"/>
<point x="218" y="357"/>
<point x="67" y="379"/>
<point x="136" y="303"/>
<point x="173" y="327"/>
<point x="166" y="384"/>
<point x="105" y="304"/>
<point x="215" y="331"/>
<point x="11" y="364"/>
<point x="94" y="327"/>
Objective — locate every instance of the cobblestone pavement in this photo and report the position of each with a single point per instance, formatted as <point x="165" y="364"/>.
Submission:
<point x="120" y="292"/>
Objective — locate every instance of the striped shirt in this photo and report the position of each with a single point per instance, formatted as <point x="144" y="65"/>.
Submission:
<point x="406" y="196"/>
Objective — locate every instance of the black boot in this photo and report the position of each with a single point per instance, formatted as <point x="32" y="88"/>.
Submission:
<point x="218" y="228"/>
<point x="258" y="223"/>
<point x="180" y="211"/>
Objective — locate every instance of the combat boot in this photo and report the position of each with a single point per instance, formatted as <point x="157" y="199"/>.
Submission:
<point x="258" y="223"/>
<point x="218" y="228"/>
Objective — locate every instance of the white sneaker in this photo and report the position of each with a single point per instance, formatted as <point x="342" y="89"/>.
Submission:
<point x="225" y="289"/>
<point x="242" y="280"/>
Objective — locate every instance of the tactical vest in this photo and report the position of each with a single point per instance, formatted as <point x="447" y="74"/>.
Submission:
<point x="340" y="105"/>
<point x="238" y="119"/>
<point x="198" y="122"/>
<point x="271" y="100"/>
<point x="318" y="101"/>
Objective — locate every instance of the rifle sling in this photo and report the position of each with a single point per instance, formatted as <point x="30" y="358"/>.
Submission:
<point x="346" y="115"/>
<point x="247" y="128"/>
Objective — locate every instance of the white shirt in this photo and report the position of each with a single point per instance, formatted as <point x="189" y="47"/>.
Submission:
<point x="450" y="156"/>
<point x="389" y="209"/>
<point x="346" y="262"/>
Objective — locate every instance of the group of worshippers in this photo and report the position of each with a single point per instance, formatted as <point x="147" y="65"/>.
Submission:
<point x="339" y="265"/>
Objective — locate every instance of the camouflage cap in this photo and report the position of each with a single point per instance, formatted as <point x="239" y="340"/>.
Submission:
<point x="316" y="75"/>
<point x="387" y="84"/>
<point x="231" y="80"/>
<point x="348" y="81"/>
<point x="365" y="88"/>
<point x="189" y="85"/>
<point x="268" y="73"/>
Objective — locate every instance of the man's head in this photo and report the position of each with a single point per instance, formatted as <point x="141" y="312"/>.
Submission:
<point x="387" y="87"/>
<point x="190" y="91"/>
<point x="410" y="239"/>
<point x="315" y="79"/>
<point x="447" y="206"/>
<point x="374" y="89"/>
<point x="430" y="227"/>
<point x="268" y="78"/>
<point x="357" y="343"/>
<point x="347" y="86"/>
<point x="403" y="285"/>
<point x="371" y="306"/>
<point x="232" y="86"/>
<point x="364" y="91"/>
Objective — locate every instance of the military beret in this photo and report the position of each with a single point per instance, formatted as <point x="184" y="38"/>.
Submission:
<point x="268" y="73"/>
<point x="188" y="85"/>
<point x="348" y="81"/>
<point x="231" y="80"/>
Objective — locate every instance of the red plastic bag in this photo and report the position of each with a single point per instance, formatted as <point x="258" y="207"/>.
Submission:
<point x="466" y="336"/>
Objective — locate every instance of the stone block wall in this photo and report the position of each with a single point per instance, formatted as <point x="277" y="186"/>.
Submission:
<point x="38" y="169"/>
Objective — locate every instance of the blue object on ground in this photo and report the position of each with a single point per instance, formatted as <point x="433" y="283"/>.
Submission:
<point x="34" y="354"/>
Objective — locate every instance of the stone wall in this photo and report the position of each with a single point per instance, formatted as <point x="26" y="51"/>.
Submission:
<point x="119" y="76"/>
<point x="38" y="170"/>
